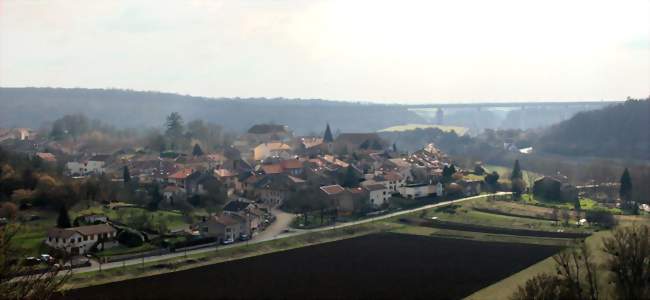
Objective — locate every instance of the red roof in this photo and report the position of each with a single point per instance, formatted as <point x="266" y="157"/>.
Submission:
<point x="272" y="169"/>
<point x="182" y="174"/>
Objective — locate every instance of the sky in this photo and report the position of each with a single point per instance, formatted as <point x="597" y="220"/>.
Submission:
<point x="402" y="51"/>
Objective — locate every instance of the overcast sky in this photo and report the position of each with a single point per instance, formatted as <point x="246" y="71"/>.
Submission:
<point x="385" y="51"/>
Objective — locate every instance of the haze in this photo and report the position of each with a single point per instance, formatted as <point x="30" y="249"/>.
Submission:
<point x="381" y="51"/>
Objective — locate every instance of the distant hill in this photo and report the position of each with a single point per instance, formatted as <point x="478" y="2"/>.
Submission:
<point x="617" y="131"/>
<point x="32" y="107"/>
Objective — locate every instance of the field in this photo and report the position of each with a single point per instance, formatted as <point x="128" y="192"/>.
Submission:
<point x="385" y="266"/>
<point x="458" y="129"/>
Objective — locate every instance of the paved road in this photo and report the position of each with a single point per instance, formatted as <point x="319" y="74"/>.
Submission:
<point x="286" y="219"/>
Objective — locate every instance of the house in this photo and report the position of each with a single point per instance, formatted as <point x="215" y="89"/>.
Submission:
<point x="346" y="201"/>
<point x="274" y="189"/>
<point x="547" y="187"/>
<point x="246" y="209"/>
<point x="378" y="194"/>
<point x="293" y="167"/>
<point x="419" y="190"/>
<point x="94" y="165"/>
<point x="79" y="240"/>
<point x="271" y="149"/>
<point x="223" y="227"/>
<point x="179" y="178"/>
<point x="391" y="180"/>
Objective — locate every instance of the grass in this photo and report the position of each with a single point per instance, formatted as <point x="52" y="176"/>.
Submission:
<point x="121" y="249"/>
<point x="465" y="213"/>
<point x="406" y="127"/>
<point x="174" y="219"/>
<point x="506" y="287"/>
<point x="585" y="204"/>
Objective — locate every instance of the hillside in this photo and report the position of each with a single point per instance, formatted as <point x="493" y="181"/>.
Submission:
<point x="619" y="131"/>
<point x="32" y="107"/>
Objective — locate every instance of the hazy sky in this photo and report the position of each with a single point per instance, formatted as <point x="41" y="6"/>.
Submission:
<point x="373" y="50"/>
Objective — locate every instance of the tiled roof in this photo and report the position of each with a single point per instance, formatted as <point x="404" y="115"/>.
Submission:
<point x="182" y="174"/>
<point x="272" y="168"/>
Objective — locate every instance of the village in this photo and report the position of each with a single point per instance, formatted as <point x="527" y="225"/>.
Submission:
<point x="236" y="194"/>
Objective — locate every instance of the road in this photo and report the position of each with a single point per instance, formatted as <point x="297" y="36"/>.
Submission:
<point x="282" y="222"/>
<point x="273" y="232"/>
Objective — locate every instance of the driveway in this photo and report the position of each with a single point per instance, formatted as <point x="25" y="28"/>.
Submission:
<point x="282" y="221"/>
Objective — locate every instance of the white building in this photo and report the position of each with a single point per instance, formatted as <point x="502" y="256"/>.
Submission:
<point x="378" y="194"/>
<point x="79" y="240"/>
<point x="94" y="165"/>
<point x="412" y="191"/>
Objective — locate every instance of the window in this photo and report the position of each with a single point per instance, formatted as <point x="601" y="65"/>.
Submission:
<point x="79" y="240"/>
<point x="85" y="237"/>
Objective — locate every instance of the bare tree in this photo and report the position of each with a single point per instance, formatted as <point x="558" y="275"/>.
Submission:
<point x="629" y="261"/>
<point x="21" y="281"/>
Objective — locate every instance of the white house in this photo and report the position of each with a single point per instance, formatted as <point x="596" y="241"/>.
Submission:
<point x="79" y="240"/>
<point x="412" y="191"/>
<point x="94" y="165"/>
<point x="378" y="194"/>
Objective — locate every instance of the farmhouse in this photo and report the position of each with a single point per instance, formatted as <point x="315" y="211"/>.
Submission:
<point x="79" y="240"/>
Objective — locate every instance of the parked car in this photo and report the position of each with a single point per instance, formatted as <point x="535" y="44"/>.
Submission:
<point x="227" y="241"/>
<point x="32" y="261"/>
<point x="46" y="258"/>
<point x="244" y="237"/>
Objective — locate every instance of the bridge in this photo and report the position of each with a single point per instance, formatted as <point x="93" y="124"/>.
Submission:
<point x="586" y="104"/>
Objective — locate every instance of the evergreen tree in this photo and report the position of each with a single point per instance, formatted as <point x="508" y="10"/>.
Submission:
<point x="197" y="151"/>
<point x="174" y="125"/>
<point x="156" y="197"/>
<point x="327" y="137"/>
<point x="350" y="179"/>
<point x="516" y="171"/>
<point x="394" y="147"/>
<point x="625" y="191"/>
<point x="126" y="174"/>
<point x="63" y="221"/>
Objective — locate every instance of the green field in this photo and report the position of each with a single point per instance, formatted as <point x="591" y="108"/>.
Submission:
<point x="467" y="213"/>
<point x="406" y="127"/>
<point x="504" y="174"/>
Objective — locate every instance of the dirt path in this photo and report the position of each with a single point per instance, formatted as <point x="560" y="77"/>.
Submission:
<point x="282" y="221"/>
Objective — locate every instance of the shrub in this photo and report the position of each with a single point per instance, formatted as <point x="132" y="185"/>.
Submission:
<point x="130" y="238"/>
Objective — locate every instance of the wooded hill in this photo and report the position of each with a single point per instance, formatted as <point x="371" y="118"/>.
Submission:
<point x="620" y="131"/>
<point x="32" y="107"/>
